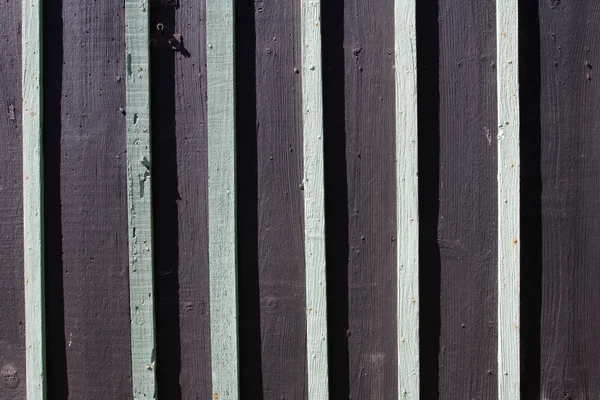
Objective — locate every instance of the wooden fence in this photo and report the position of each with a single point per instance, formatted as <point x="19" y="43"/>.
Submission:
<point x="298" y="199"/>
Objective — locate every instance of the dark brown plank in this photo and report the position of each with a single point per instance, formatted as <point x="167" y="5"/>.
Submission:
<point x="12" y="312"/>
<point x="180" y="203"/>
<point x="371" y="198"/>
<point x="467" y="228"/>
<point x="280" y="204"/>
<point x="93" y="205"/>
<point x="570" y="165"/>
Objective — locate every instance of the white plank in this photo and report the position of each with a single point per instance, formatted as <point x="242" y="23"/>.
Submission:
<point x="508" y="200"/>
<point x="221" y="198"/>
<point x="139" y="192"/>
<point x="407" y="198"/>
<point x="33" y="201"/>
<point x="314" y="201"/>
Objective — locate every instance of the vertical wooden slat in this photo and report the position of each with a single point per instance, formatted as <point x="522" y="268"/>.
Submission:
<point x="508" y="200"/>
<point x="222" y="245"/>
<point x="314" y="201"/>
<point x="33" y="200"/>
<point x="139" y="198"/>
<point x="407" y="198"/>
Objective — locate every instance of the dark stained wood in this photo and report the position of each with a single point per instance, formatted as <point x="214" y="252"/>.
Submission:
<point x="280" y="206"/>
<point x="93" y="201"/>
<point x="371" y="195"/>
<point x="179" y="148"/>
<point x="467" y="228"/>
<point x="570" y="165"/>
<point x="12" y="311"/>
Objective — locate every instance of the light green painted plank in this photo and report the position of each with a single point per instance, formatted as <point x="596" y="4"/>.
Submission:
<point x="33" y="201"/>
<point x="314" y="201"/>
<point x="222" y="245"/>
<point x="508" y="200"/>
<point x="139" y="196"/>
<point x="407" y="198"/>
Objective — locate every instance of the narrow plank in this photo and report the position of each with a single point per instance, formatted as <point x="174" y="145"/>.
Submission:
<point x="12" y="300"/>
<point x="280" y="200"/>
<point x="467" y="221"/>
<point x="509" y="240"/>
<point x="370" y="125"/>
<point x="407" y="198"/>
<point x="87" y="140"/>
<point x="314" y="202"/>
<point x="180" y="196"/>
<point x="33" y="200"/>
<point x="139" y="199"/>
<point x="570" y="170"/>
<point x="221" y="198"/>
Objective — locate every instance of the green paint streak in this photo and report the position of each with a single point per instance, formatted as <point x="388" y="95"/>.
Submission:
<point x="33" y="201"/>
<point x="141" y="279"/>
<point x="221" y="198"/>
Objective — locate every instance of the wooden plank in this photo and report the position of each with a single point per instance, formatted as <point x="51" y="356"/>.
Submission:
<point x="407" y="198"/>
<point x="467" y="223"/>
<point x="87" y="152"/>
<point x="33" y="201"/>
<point x="139" y="199"/>
<point x="280" y="200"/>
<point x="509" y="239"/>
<point x="221" y="198"/>
<point x="370" y="125"/>
<point x="570" y="161"/>
<point x="12" y="301"/>
<point x="314" y="202"/>
<point x="180" y="194"/>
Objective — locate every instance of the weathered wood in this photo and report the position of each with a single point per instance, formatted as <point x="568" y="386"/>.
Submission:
<point x="33" y="201"/>
<point x="139" y="199"/>
<point x="280" y="205"/>
<point x="221" y="198"/>
<point x="89" y="138"/>
<point x="407" y="198"/>
<point x="370" y="124"/>
<point x="179" y="199"/>
<point x="12" y="303"/>
<point x="314" y="201"/>
<point x="467" y="224"/>
<point x="509" y="238"/>
<point x="570" y="161"/>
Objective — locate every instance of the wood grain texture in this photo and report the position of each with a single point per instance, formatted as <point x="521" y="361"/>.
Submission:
<point x="467" y="224"/>
<point x="314" y="201"/>
<point x="281" y="253"/>
<point x="139" y="199"/>
<point x="222" y="231"/>
<point x="180" y="196"/>
<point x="12" y="302"/>
<point x="33" y="199"/>
<point x="509" y="238"/>
<point x="370" y="124"/>
<point x="407" y="198"/>
<point x="90" y="137"/>
<point x="570" y="161"/>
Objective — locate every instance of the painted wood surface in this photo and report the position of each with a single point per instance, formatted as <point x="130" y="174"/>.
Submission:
<point x="370" y="143"/>
<point x="33" y="199"/>
<point x="180" y="202"/>
<point x="139" y="199"/>
<point x="86" y="206"/>
<point x="570" y="351"/>
<point x="407" y="198"/>
<point x="467" y="223"/>
<point x="12" y="302"/>
<point x="509" y="238"/>
<point x="222" y="231"/>
<point x="314" y="202"/>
